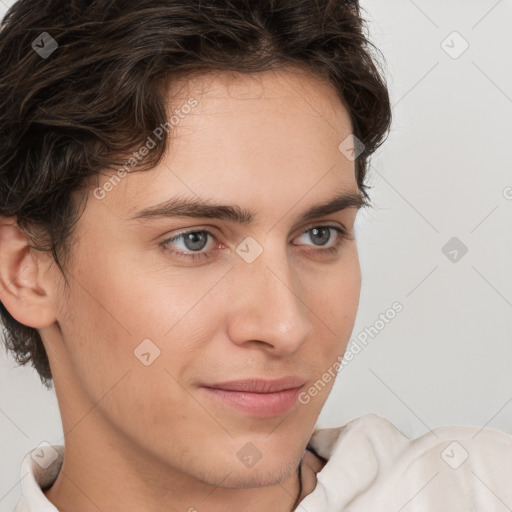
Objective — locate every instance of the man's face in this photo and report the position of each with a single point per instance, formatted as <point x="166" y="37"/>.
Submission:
<point x="265" y="299"/>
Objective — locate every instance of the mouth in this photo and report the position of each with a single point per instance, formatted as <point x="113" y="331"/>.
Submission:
<point x="257" y="397"/>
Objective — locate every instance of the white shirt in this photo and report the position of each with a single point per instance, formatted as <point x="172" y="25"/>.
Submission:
<point x="371" y="466"/>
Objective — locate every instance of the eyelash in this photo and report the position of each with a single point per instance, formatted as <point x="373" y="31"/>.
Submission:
<point x="343" y="234"/>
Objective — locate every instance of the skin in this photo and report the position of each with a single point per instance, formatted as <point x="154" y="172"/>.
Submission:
<point x="146" y="438"/>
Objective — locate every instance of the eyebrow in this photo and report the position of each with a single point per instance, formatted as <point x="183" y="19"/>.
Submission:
<point x="201" y="208"/>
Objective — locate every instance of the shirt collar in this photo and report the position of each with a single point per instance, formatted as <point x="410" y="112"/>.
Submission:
<point x="39" y="469"/>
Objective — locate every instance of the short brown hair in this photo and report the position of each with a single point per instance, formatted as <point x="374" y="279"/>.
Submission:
<point x="68" y="115"/>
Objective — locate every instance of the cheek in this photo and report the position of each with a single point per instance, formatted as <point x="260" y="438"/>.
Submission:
<point x="135" y="299"/>
<point x="334" y="302"/>
<point x="114" y="307"/>
<point x="104" y="328"/>
<point x="335" y="294"/>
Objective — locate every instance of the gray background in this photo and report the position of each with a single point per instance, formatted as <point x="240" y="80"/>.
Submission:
<point x="443" y="173"/>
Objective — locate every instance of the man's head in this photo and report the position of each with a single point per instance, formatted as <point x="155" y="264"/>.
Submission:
<point x="251" y="105"/>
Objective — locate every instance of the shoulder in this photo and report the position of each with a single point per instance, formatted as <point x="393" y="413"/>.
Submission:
<point x="388" y="442"/>
<point x="370" y="431"/>
<point x="448" y="467"/>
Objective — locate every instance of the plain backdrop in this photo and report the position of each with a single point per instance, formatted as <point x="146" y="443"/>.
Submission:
<point x="444" y="176"/>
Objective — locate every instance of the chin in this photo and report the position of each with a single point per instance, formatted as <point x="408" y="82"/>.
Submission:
<point x="252" y="479"/>
<point x="264" y="473"/>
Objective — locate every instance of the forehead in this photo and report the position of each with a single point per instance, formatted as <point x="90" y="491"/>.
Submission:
<point x="271" y="136"/>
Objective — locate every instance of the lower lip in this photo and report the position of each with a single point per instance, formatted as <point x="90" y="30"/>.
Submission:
<point x="261" y="405"/>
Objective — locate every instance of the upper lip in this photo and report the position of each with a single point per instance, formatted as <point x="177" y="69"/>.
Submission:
<point x="259" y="385"/>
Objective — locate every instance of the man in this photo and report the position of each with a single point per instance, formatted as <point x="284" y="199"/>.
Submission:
<point x="177" y="254"/>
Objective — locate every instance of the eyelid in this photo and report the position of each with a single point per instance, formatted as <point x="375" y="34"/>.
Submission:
<point x="326" y="223"/>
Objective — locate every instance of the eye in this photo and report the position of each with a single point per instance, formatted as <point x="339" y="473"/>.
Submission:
<point x="321" y="235"/>
<point x="194" y="242"/>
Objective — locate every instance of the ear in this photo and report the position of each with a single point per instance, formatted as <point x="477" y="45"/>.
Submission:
<point x="24" y="288"/>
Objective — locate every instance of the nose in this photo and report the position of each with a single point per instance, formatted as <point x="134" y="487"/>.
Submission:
<point x="271" y="310"/>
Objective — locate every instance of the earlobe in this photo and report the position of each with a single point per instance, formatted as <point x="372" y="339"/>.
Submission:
<point x="23" y="291"/>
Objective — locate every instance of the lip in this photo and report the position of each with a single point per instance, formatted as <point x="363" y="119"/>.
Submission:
<point x="256" y="385"/>
<point x="257" y="397"/>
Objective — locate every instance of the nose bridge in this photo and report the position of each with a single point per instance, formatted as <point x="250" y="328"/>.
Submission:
<point x="272" y="308"/>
